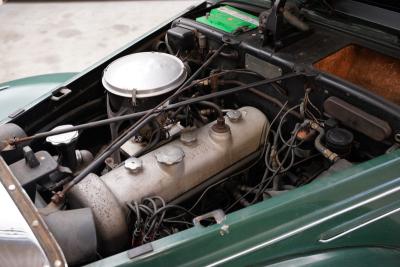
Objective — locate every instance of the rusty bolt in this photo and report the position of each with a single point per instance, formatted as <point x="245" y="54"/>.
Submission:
<point x="220" y="126"/>
<point x="58" y="197"/>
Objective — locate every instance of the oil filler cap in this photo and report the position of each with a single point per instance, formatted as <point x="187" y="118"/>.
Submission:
<point x="64" y="138"/>
<point x="169" y="155"/>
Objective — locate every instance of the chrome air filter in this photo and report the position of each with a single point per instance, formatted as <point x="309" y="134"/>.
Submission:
<point x="147" y="73"/>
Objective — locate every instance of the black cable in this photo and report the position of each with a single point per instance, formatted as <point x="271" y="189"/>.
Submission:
<point x="212" y="105"/>
<point x="136" y="115"/>
<point x="177" y="221"/>
<point x="186" y="211"/>
<point x="143" y="121"/>
<point x="241" y="171"/>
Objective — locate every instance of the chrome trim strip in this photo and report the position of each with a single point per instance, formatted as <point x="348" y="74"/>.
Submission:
<point x="359" y="226"/>
<point x="305" y="227"/>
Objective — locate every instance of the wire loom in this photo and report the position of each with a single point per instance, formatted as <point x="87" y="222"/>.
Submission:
<point x="149" y="222"/>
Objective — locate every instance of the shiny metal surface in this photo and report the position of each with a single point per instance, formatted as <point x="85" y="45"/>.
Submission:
<point x="109" y="216"/>
<point x="194" y="164"/>
<point x="18" y="244"/>
<point x="22" y="215"/>
<point x="65" y="138"/>
<point x="133" y="164"/>
<point x="234" y="115"/>
<point x="144" y="75"/>
<point x="169" y="155"/>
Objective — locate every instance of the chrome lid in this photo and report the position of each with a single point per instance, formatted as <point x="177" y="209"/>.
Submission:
<point x="64" y="138"/>
<point x="149" y="73"/>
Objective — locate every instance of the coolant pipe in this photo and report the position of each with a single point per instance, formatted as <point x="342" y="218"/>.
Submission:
<point x="327" y="153"/>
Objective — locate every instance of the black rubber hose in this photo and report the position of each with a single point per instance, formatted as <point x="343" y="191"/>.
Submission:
<point x="212" y="105"/>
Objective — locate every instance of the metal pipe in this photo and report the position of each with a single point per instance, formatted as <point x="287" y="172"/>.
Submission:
<point x="214" y="106"/>
<point x="327" y="153"/>
<point x="59" y="196"/>
<point x="293" y="20"/>
<point x="142" y="113"/>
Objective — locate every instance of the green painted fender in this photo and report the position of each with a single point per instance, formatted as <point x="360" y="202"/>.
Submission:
<point x="354" y="257"/>
<point x="20" y="93"/>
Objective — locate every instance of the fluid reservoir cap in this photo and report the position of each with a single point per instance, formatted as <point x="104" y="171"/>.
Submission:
<point x="133" y="164"/>
<point x="149" y="73"/>
<point x="339" y="140"/>
<point x="169" y="155"/>
<point x="64" y="138"/>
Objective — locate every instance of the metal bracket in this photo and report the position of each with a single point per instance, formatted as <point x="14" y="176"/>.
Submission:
<point x="30" y="157"/>
<point x="280" y="25"/>
<point x="218" y="215"/>
<point x="271" y="22"/>
<point x="60" y="93"/>
<point x="138" y="251"/>
<point x="134" y="91"/>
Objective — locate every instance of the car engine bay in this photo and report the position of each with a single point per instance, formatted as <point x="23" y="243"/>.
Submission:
<point x="217" y="111"/>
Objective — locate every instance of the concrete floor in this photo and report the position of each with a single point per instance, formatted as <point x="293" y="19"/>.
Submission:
<point x="39" y="38"/>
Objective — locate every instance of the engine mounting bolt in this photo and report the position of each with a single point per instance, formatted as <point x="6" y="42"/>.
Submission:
<point x="133" y="164"/>
<point x="220" y="126"/>
<point x="234" y="115"/>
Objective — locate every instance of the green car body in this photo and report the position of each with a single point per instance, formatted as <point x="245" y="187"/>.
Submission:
<point x="25" y="92"/>
<point x="348" y="219"/>
<point x="351" y="218"/>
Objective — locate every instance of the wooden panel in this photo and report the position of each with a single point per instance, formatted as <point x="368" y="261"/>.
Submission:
<point x="362" y="66"/>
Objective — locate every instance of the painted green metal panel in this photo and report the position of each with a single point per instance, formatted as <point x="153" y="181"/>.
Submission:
<point x="19" y="93"/>
<point x="354" y="257"/>
<point x="290" y="224"/>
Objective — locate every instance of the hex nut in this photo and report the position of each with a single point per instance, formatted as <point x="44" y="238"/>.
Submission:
<point x="234" y="115"/>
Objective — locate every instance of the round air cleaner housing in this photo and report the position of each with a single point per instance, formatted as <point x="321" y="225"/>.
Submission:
<point x="139" y="82"/>
<point x="144" y="75"/>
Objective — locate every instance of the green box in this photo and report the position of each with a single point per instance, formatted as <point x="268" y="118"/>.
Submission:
<point x="229" y="19"/>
